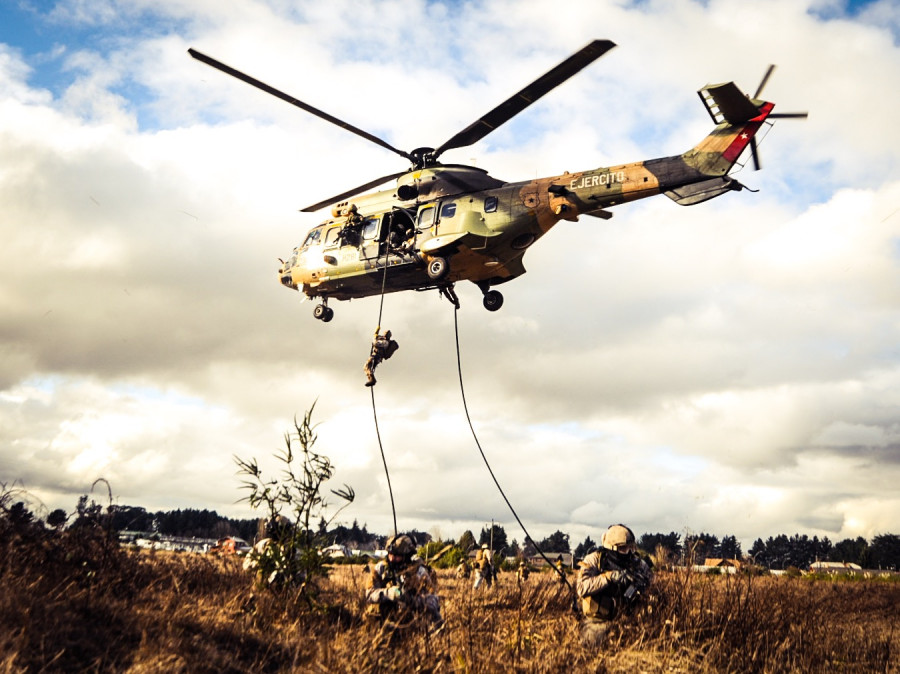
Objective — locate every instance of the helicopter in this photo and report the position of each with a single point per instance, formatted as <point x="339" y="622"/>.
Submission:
<point x="444" y="223"/>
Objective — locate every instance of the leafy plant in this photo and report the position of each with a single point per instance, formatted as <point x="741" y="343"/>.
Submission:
<point x="290" y="557"/>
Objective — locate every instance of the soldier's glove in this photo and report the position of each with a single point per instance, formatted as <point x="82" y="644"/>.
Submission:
<point x="618" y="576"/>
<point x="394" y="593"/>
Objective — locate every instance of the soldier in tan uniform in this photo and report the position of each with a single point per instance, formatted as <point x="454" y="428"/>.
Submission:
<point x="484" y="570"/>
<point x="609" y="580"/>
<point x="402" y="587"/>
<point x="560" y="570"/>
<point x="522" y="572"/>
<point x="383" y="347"/>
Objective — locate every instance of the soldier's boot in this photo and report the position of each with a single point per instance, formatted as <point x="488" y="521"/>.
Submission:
<point x="593" y="633"/>
<point x="371" y="380"/>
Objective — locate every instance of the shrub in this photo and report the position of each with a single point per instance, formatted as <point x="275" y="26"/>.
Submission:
<point x="290" y="557"/>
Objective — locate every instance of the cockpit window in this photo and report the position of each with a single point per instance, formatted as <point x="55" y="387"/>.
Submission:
<point x="313" y="237"/>
<point x="331" y="236"/>
<point x="370" y="228"/>
<point x="490" y="204"/>
<point x="426" y="217"/>
<point x="448" y="210"/>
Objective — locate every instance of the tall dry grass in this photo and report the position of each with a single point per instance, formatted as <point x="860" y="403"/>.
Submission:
<point x="72" y="604"/>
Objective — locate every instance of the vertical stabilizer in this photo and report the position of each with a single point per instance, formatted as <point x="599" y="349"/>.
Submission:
<point x="737" y="119"/>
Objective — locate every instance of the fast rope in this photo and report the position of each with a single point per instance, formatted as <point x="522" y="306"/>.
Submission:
<point x="387" y="475"/>
<point x="462" y="391"/>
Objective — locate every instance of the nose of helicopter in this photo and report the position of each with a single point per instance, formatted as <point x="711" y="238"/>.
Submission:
<point x="285" y="276"/>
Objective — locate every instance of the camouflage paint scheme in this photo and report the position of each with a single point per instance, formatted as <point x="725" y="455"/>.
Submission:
<point x="482" y="226"/>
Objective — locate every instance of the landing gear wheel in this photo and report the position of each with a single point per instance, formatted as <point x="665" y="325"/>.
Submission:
<point x="329" y="314"/>
<point x="493" y="300"/>
<point x="437" y="268"/>
<point x="320" y="312"/>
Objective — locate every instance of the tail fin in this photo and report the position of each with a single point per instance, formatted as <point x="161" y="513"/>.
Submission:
<point x="737" y="118"/>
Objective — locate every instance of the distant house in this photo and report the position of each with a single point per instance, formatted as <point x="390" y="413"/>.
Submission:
<point x="231" y="545"/>
<point x="336" y="551"/>
<point x="715" y="562"/>
<point x="835" y="567"/>
<point x="718" y="565"/>
<point x="538" y="561"/>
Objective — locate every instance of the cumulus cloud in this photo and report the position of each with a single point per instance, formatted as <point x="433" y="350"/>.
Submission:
<point x="730" y="367"/>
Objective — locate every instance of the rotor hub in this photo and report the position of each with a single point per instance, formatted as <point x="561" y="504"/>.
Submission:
<point x="423" y="157"/>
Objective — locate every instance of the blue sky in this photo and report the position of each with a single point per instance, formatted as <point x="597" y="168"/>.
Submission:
<point x="679" y="365"/>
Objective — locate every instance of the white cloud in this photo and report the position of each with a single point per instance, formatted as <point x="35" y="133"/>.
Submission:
<point x="730" y="367"/>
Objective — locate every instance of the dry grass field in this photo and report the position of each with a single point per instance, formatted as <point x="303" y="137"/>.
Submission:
<point x="70" y="604"/>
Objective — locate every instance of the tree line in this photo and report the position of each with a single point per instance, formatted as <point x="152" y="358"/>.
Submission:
<point x="776" y="552"/>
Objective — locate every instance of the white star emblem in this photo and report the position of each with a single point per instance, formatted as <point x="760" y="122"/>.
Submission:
<point x="744" y="136"/>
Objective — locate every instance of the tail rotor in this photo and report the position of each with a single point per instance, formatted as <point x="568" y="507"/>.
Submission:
<point x="754" y="152"/>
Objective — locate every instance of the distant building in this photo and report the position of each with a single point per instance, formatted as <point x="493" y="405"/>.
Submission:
<point x="538" y="561"/>
<point x="719" y="565"/>
<point x="837" y="568"/>
<point x="336" y="551"/>
<point x="713" y="562"/>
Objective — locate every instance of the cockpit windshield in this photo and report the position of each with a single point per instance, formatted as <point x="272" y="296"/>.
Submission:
<point x="312" y="238"/>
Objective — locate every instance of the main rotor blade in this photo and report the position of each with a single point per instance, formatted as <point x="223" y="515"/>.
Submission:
<point x="521" y="100"/>
<point x="350" y="193"/>
<point x="764" y="80"/>
<point x="218" y="65"/>
<point x="789" y="115"/>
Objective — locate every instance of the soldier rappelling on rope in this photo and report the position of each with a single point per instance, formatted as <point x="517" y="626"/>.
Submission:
<point x="383" y="347"/>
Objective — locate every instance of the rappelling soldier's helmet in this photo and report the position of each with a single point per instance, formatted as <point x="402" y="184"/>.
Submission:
<point x="619" y="538"/>
<point x="401" y="546"/>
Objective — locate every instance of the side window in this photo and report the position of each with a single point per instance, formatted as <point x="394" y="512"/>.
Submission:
<point x="331" y="236"/>
<point x="426" y="217"/>
<point x="313" y="237"/>
<point x="448" y="210"/>
<point x="370" y="228"/>
<point x="490" y="204"/>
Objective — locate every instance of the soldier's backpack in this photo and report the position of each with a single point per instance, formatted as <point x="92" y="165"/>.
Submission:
<point x="391" y="348"/>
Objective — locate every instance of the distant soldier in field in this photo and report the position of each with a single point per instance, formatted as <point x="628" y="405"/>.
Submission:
<point x="522" y="572"/>
<point x="463" y="570"/>
<point x="560" y="570"/>
<point x="402" y="587"/>
<point x="484" y="569"/>
<point x="383" y="347"/>
<point x="610" y="580"/>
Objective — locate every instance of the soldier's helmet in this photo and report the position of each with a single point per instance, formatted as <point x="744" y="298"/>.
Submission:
<point x="617" y="536"/>
<point x="387" y="334"/>
<point x="350" y="210"/>
<point x="400" y="545"/>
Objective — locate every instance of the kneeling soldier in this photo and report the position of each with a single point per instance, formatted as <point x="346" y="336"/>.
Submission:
<point x="609" y="580"/>
<point x="402" y="584"/>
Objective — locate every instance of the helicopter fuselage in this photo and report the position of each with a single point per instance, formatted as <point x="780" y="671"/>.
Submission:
<point x="449" y="232"/>
<point x="444" y="223"/>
